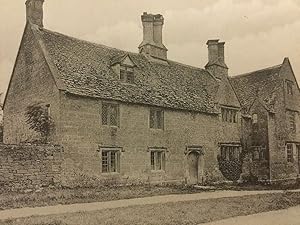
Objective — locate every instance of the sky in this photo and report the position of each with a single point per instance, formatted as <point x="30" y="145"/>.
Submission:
<point x="258" y="33"/>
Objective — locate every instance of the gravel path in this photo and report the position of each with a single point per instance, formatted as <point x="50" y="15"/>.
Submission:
<point x="290" y="216"/>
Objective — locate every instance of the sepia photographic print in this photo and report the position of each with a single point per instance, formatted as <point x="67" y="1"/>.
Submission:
<point x="149" y="112"/>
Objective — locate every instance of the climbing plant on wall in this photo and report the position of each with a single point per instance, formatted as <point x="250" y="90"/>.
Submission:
<point x="39" y="120"/>
<point x="231" y="169"/>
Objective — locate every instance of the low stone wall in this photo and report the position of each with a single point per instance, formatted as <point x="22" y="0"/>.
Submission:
<point x="30" y="166"/>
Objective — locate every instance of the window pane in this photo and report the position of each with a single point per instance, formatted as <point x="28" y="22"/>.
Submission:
<point x="152" y="161"/>
<point x="230" y="116"/>
<point x="235" y="117"/>
<point x="159" y="115"/>
<point x="122" y="75"/>
<point x="105" y="114"/>
<point x="113" y="166"/>
<point x="114" y="115"/>
<point x="236" y="152"/>
<point x="290" y="157"/>
<point x="105" y="162"/>
<point x="158" y="160"/>
<point x="110" y="161"/>
<point x="152" y="118"/>
<point x="225" y="115"/>
<point x="163" y="158"/>
<point x="130" y="77"/>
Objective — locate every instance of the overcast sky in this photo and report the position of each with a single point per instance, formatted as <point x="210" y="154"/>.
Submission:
<point x="258" y="33"/>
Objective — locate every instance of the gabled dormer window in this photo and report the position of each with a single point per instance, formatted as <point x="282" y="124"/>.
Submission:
<point x="124" y="67"/>
<point x="127" y="74"/>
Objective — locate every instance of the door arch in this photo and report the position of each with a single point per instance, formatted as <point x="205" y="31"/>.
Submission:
<point x="194" y="166"/>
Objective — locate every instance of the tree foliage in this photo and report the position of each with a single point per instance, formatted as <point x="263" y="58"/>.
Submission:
<point x="39" y="120"/>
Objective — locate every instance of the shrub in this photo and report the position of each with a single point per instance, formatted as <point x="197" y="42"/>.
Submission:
<point x="231" y="169"/>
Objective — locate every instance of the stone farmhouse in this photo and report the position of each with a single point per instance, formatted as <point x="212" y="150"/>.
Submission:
<point x="142" y="117"/>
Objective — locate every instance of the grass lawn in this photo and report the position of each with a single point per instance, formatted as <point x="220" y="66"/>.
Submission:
<point x="48" y="197"/>
<point x="182" y="213"/>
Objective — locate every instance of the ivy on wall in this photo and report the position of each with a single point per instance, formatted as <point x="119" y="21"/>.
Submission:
<point x="39" y="120"/>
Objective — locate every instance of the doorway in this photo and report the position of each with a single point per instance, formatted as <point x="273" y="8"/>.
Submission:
<point x="193" y="167"/>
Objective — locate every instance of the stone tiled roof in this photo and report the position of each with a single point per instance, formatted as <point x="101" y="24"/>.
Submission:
<point x="259" y="85"/>
<point x="85" y="69"/>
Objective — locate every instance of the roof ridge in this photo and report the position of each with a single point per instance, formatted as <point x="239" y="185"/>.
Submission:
<point x="88" y="42"/>
<point x="252" y="72"/>
<point x="109" y="47"/>
<point x="187" y="65"/>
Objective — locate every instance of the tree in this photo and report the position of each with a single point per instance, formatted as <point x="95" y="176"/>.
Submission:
<point x="39" y="120"/>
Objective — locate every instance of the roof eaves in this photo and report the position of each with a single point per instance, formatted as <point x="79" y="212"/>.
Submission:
<point x="253" y="72"/>
<point x="212" y="112"/>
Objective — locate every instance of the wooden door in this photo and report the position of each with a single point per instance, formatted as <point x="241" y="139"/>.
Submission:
<point x="193" y="159"/>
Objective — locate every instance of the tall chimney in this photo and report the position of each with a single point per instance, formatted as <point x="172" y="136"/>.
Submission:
<point x="148" y="29"/>
<point x="34" y="12"/>
<point x="157" y="29"/>
<point x="152" y="40"/>
<point x="216" y="59"/>
<point x="221" y="52"/>
<point x="213" y="51"/>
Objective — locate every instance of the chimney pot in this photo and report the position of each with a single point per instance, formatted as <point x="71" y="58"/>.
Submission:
<point x="34" y="12"/>
<point x="213" y="50"/>
<point x="221" y="55"/>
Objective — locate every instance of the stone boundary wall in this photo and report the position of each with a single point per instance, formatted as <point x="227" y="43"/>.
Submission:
<point x="30" y="166"/>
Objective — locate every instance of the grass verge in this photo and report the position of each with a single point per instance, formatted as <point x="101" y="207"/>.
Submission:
<point x="47" y="197"/>
<point x="183" y="213"/>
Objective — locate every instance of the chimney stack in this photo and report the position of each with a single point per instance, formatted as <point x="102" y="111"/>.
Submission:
<point x="216" y="59"/>
<point x="34" y="12"/>
<point x="152" y="40"/>
<point x="157" y="29"/>
<point x="221" y="52"/>
<point x="213" y="50"/>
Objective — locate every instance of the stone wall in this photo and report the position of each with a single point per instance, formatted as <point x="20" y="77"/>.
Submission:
<point x="30" y="166"/>
<point x="83" y="135"/>
<point x="280" y="133"/>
